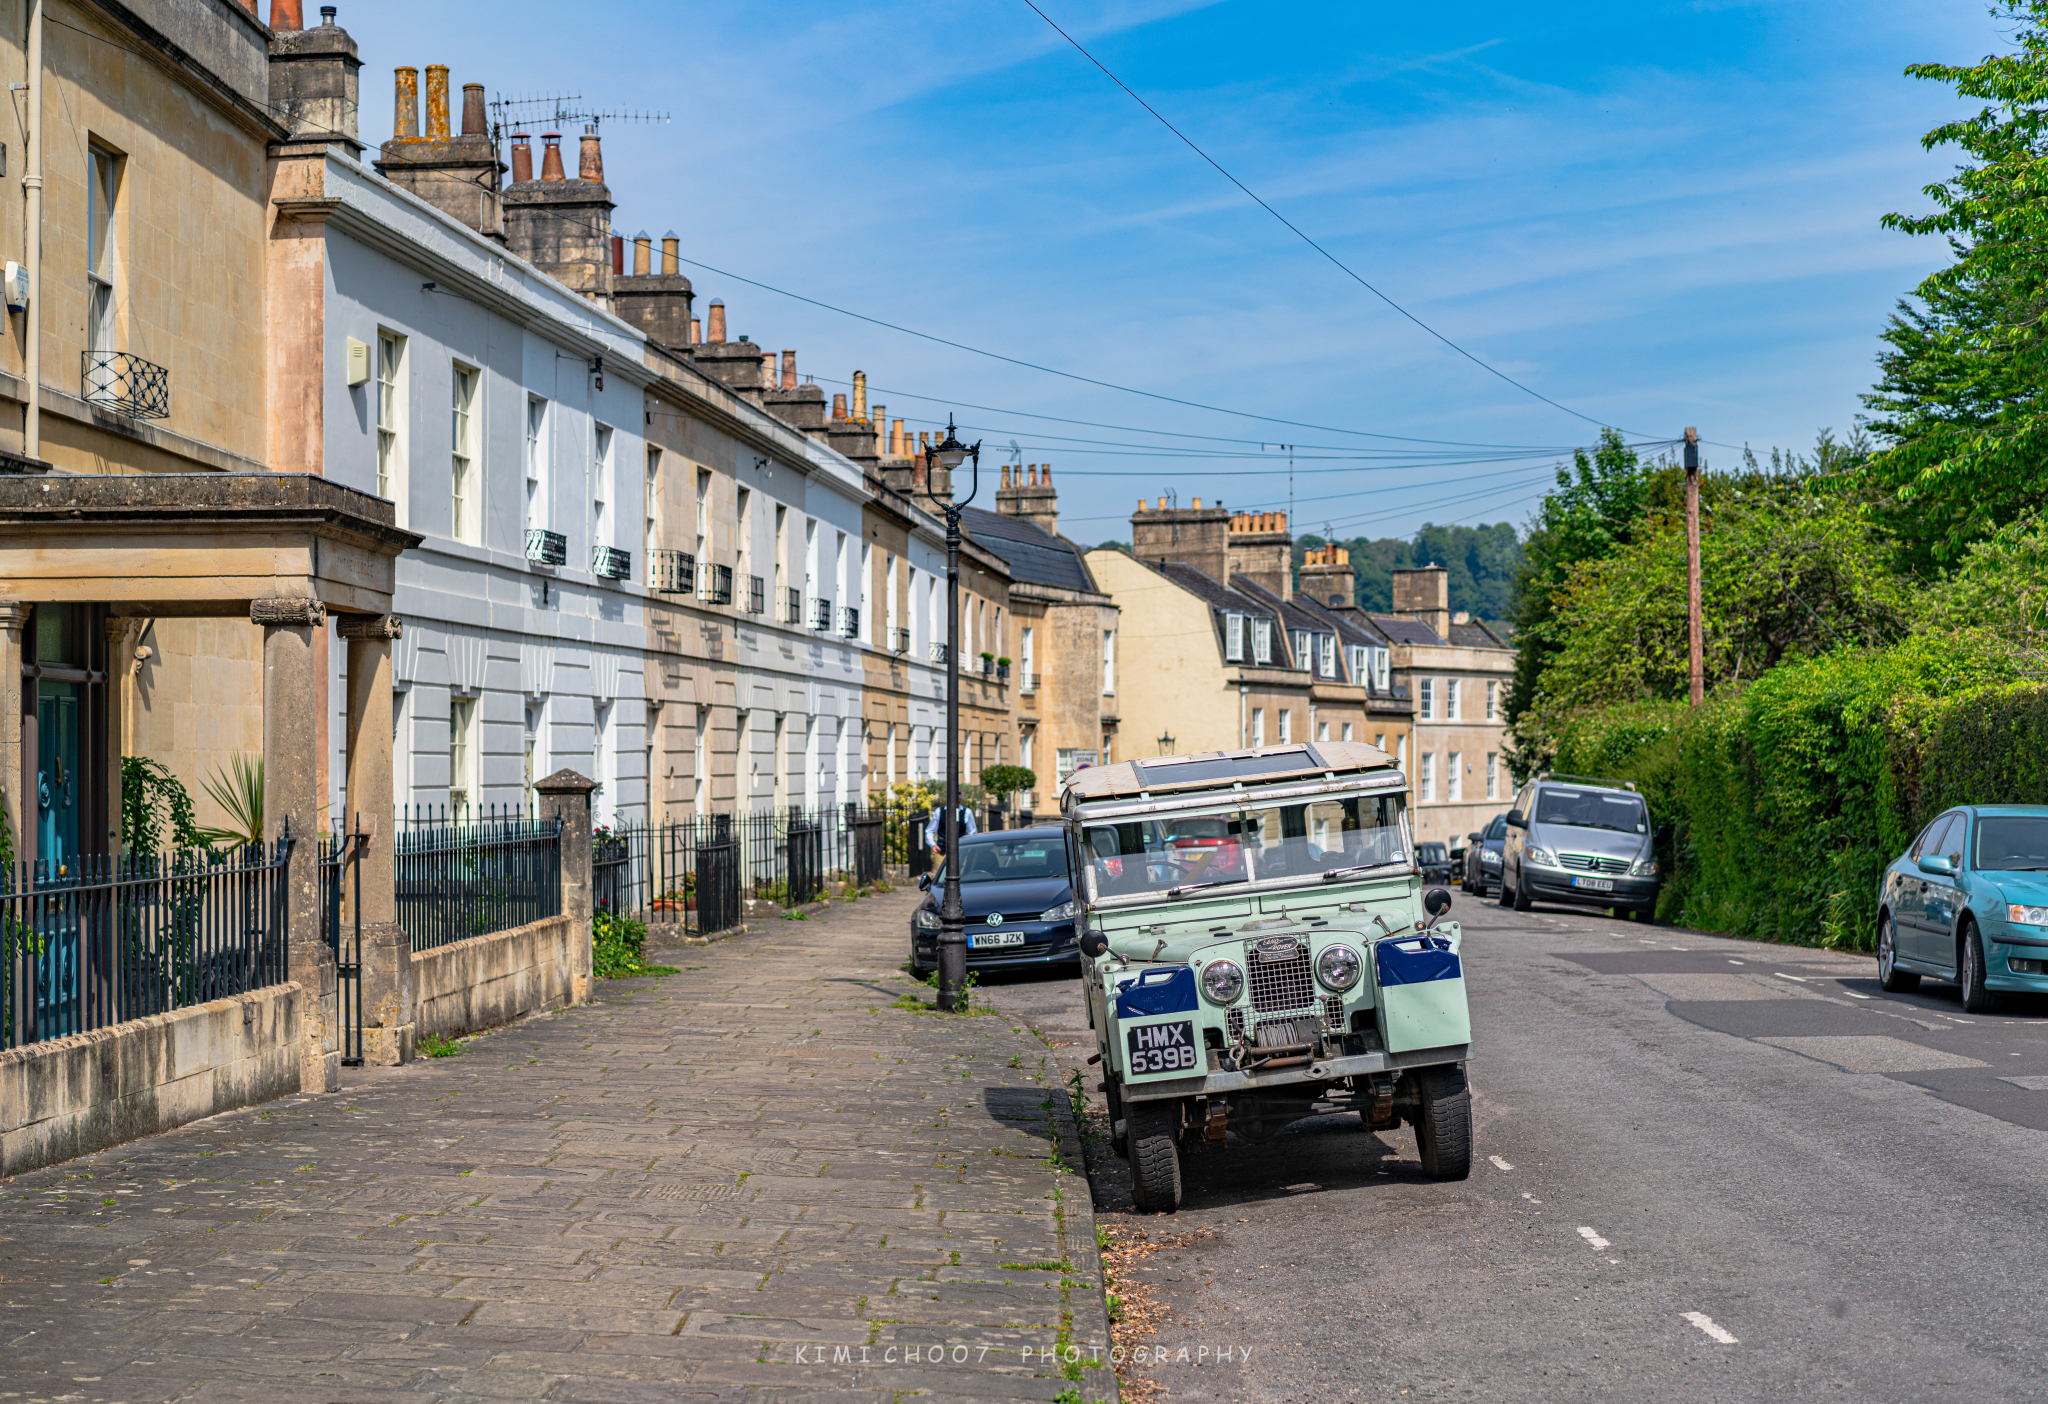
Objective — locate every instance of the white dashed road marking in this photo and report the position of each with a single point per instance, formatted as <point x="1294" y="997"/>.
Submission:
<point x="1853" y="995"/>
<point x="1706" y="1323"/>
<point x="1783" y="976"/>
<point x="1593" y="1238"/>
<point x="1501" y="1163"/>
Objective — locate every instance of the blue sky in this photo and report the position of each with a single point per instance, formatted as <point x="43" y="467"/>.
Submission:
<point x="1655" y="214"/>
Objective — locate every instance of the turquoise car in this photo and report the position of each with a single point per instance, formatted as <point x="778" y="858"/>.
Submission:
<point x="1968" y="902"/>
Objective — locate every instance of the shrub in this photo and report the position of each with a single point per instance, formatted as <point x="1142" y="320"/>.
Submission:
<point x="616" y="945"/>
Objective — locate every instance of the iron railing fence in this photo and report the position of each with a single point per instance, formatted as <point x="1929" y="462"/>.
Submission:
<point x="544" y="547"/>
<point x="694" y="871"/>
<point x="107" y="939"/>
<point x="127" y="383"/>
<point x="341" y="926"/>
<point x="475" y="873"/>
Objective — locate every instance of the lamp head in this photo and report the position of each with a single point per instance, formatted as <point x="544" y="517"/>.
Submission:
<point x="949" y="453"/>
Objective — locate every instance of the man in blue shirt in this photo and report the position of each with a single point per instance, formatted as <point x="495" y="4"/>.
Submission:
<point x="935" y="830"/>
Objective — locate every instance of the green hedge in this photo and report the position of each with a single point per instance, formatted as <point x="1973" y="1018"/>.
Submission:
<point x="1789" y="797"/>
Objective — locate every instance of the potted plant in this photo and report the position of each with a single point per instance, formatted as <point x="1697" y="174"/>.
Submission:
<point x="988" y="662"/>
<point x="1002" y="670"/>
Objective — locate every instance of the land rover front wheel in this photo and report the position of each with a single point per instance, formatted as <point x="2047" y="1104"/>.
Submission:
<point x="1150" y="1131"/>
<point x="1443" y="1123"/>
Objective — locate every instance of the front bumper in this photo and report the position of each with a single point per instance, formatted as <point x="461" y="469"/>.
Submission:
<point x="2017" y="961"/>
<point x="1555" y="885"/>
<point x="1328" y="1070"/>
<point x="1049" y="944"/>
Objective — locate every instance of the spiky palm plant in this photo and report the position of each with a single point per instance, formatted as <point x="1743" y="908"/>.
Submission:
<point x="238" y="790"/>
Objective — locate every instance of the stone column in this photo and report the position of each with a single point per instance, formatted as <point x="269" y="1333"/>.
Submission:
<point x="13" y="619"/>
<point x="121" y="636"/>
<point x="387" y="950"/>
<point x="291" y="796"/>
<point x="565" y="795"/>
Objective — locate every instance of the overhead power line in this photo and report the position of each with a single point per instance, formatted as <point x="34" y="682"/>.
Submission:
<point x="1339" y="263"/>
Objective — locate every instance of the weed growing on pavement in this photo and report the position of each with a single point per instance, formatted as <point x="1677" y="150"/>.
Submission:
<point x="437" y="1045"/>
<point x="616" y="946"/>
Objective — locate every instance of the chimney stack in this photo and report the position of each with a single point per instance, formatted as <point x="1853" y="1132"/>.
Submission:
<point x="313" y="77"/>
<point x="1195" y="536"/>
<point x="1261" y="548"/>
<point x="437" y="102"/>
<point x="671" y="259"/>
<point x="286" y="14"/>
<point x="563" y="225"/>
<point x="1025" y="493"/>
<point x="590" y="166"/>
<point x="643" y="253"/>
<point x="551" y="157"/>
<point x="1424" y="593"/>
<point x="789" y="370"/>
<point x="1327" y="578"/>
<point x="405" y="122"/>
<point x="522" y="157"/>
<point x="473" y="110"/>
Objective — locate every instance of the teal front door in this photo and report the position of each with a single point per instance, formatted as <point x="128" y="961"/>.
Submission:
<point x="58" y="792"/>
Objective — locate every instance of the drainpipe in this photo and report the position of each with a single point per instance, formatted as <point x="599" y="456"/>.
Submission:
<point x="32" y="183"/>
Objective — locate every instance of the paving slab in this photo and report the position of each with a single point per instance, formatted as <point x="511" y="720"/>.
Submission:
<point x="777" y="1175"/>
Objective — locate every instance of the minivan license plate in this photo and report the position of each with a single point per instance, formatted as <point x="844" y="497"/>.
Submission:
<point x="1594" y="884"/>
<point x="982" y="941"/>
<point x="1158" y="1048"/>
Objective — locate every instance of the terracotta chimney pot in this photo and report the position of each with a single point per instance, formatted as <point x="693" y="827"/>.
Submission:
<point x="405" y="123"/>
<point x="522" y="157"/>
<point x="437" y="102"/>
<point x="473" y="110"/>
<point x="643" y="254"/>
<point x="789" y="370"/>
<point x="1046" y="479"/>
<point x="671" y="264"/>
<point x="286" y="14"/>
<point x="714" y="332"/>
<point x="696" y="331"/>
<point x="1006" y="477"/>
<point x="1198" y="502"/>
<point x="591" y="166"/>
<point x="1141" y="505"/>
<point x="551" y="156"/>
<point x="896" y="440"/>
<point x="881" y="422"/>
<point x="860" y="394"/>
<point x="618" y="255"/>
<point x="839" y="406"/>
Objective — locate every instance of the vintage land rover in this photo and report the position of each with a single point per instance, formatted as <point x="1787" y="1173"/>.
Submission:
<point x="1258" y="948"/>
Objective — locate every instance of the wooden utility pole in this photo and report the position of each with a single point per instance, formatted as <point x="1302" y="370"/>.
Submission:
<point x="1695" y="642"/>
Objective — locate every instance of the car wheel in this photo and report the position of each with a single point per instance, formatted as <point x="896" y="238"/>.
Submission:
<point x="1646" y="914"/>
<point x="1443" y="1123"/>
<point x="1890" y="978"/>
<point x="1507" y="898"/>
<point x="1970" y="972"/>
<point x="1521" y="900"/>
<point x="1154" y="1157"/>
<point x="1112" y="1094"/>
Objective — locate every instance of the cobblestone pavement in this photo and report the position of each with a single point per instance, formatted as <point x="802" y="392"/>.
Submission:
<point x="759" y="1179"/>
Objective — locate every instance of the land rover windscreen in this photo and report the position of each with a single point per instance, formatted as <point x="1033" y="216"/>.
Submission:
<point x="1236" y="842"/>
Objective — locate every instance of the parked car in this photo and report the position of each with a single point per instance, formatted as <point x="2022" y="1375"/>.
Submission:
<point x="1018" y="893"/>
<point x="1587" y="842"/>
<point x="1433" y="860"/>
<point x="1968" y="902"/>
<point x="1481" y="874"/>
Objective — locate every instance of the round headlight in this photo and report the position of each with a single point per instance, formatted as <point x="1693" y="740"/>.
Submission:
<point x="1338" y="967"/>
<point x="1223" y="980"/>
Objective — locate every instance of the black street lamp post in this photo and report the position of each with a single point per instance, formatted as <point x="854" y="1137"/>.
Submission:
<point x="949" y="454"/>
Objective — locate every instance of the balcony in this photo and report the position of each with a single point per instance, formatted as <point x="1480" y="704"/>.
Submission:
<point x="672" y="572"/>
<point x="715" y="584"/>
<point x="127" y="384"/>
<point x="849" y="622"/>
<point x="899" y="641"/>
<point x="610" y="563"/>
<point x="792" y="606"/>
<point x="757" y="595"/>
<point x="544" y="547"/>
<point x="1027" y="682"/>
<point x="940" y="652"/>
<point x="821" y="615"/>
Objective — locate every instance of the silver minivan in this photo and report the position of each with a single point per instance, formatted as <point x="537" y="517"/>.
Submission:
<point x="1583" y="841"/>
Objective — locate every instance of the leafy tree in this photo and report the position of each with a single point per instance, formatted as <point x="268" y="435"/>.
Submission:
<point x="1002" y="781"/>
<point x="1482" y="562"/>
<point x="1958" y="401"/>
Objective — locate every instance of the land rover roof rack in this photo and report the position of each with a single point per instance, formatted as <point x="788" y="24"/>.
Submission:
<point x="1586" y="780"/>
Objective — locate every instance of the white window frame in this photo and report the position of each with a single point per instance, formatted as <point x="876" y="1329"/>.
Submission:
<point x="1382" y="669"/>
<point x="1450" y="699"/>
<point x="1425" y="699"/>
<point x="1262" y="640"/>
<point x="537" y="513"/>
<point x="462" y="756"/>
<point x="602" y="526"/>
<point x="1109" y="662"/>
<point x="1426" y="777"/>
<point x="1286" y="725"/>
<point x="1347" y="733"/>
<point x="102" y="248"/>
<point x="1027" y="655"/>
<point x="1301" y="650"/>
<point x="390" y="406"/>
<point x="1454" y="777"/>
<point x="465" y="483"/>
<point x="1326" y="655"/>
<point x="1493" y="775"/>
<point x="1492" y="703"/>
<point x="651" y="508"/>
<point x="1258" y="726"/>
<point x="1233" y="638"/>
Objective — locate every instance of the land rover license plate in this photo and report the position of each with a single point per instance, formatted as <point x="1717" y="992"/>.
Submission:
<point x="1158" y="1048"/>
<point x="1594" y="884"/>
<point x="982" y="941"/>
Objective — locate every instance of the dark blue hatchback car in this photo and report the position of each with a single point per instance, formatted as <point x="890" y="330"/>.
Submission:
<point x="1018" y="893"/>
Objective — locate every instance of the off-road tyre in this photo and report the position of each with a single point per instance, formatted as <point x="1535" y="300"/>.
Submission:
<point x="1154" y="1158"/>
<point x="1113" y="1097"/>
<point x="1890" y="978"/>
<point x="1443" y="1123"/>
<point x="1970" y="971"/>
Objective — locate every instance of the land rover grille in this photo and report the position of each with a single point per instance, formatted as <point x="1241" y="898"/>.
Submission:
<point x="1278" y="970"/>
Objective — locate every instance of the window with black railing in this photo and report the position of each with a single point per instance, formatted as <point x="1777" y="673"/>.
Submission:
<point x="939" y="652"/>
<point x="757" y="595"/>
<point x="900" y="641"/>
<point x="103" y="940"/>
<point x="610" y="563"/>
<point x="849" y="622"/>
<point x="821" y="614"/>
<point x="792" y="605"/>
<point x="544" y="547"/>
<point x="716" y="582"/>
<point x="672" y="572"/>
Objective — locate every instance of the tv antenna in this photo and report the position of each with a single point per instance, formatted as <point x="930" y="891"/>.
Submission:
<point x="554" y="111"/>
<point x="1016" y="454"/>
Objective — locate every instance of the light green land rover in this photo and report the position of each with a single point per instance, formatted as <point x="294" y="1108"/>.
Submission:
<point x="1259" y="949"/>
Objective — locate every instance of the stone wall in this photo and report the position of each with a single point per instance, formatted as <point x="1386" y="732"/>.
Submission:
<point x="490" y="980"/>
<point x="70" y="1096"/>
